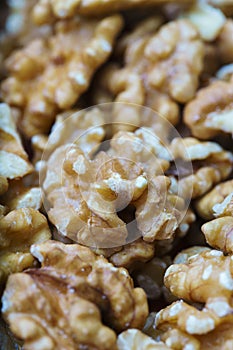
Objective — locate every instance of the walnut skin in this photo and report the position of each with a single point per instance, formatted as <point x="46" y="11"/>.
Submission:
<point x="210" y="112"/>
<point x="217" y="202"/>
<point x="72" y="286"/>
<point x="19" y="230"/>
<point x="225" y="42"/>
<point x="14" y="161"/>
<point x="50" y="74"/>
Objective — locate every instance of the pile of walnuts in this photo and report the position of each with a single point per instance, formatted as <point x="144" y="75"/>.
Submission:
<point x="116" y="175"/>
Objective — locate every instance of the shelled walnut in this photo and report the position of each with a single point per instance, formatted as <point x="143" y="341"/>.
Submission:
<point x="217" y="202"/>
<point x="210" y="112"/>
<point x="45" y="10"/>
<point x="19" y="229"/>
<point x="50" y="74"/>
<point x="71" y="288"/>
<point x="157" y="70"/>
<point x="211" y="164"/>
<point x="14" y="163"/>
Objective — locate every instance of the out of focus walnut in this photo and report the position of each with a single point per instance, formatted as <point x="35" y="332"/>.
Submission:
<point x="19" y="229"/>
<point x="45" y="10"/>
<point x="157" y="70"/>
<point x="49" y="74"/>
<point x="67" y="295"/>
<point x="210" y="112"/>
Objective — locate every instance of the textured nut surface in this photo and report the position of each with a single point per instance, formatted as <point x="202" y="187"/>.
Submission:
<point x="50" y="74"/>
<point x="219" y="233"/>
<point x="156" y="71"/>
<point x="13" y="159"/>
<point x="133" y="339"/>
<point x="55" y="317"/>
<point x="211" y="164"/>
<point x="210" y="112"/>
<point x="19" y="230"/>
<point x="45" y="9"/>
<point x="72" y="287"/>
<point x="217" y="202"/>
<point x="20" y="196"/>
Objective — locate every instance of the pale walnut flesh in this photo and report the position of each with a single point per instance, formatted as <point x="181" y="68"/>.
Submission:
<point x="70" y="289"/>
<point x="210" y="112"/>
<point x="217" y="202"/>
<point x="133" y="339"/>
<point x="210" y="162"/>
<point x="19" y="230"/>
<point x="49" y="75"/>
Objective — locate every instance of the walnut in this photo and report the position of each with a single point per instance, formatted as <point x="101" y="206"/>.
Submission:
<point x="225" y="42"/>
<point x="217" y="202"/>
<point x="208" y="20"/>
<point x="204" y="276"/>
<point x="218" y="233"/>
<point x="46" y="9"/>
<point x="14" y="161"/>
<point x="133" y="252"/>
<point x="211" y="164"/>
<point x="20" y="196"/>
<point x="67" y="295"/>
<point x="49" y="75"/>
<point x="156" y="73"/>
<point x="94" y="191"/>
<point x="185" y="326"/>
<point x="55" y="317"/>
<point x="133" y="339"/>
<point x="19" y="230"/>
<point x="183" y="256"/>
<point x="209" y="113"/>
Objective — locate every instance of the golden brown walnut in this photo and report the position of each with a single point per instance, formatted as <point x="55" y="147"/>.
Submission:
<point x="156" y="72"/>
<point x="14" y="161"/>
<point x="49" y="75"/>
<point x="133" y="339"/>
<point x="183" y="256"/>
<point x="219" y="233"/>
<point x="55" y="318"/>
<point x="211" y="164"/>
<point x="67" y="295"/>
<point x="21" y="196"/>
<point x="45" y="10"/>
<point x="19" y="230"/>
<point x="185" y="327"/>
<point x="225" y="42"/>
<point x="210" y="112"/>
<point x="202" y="276"/>
<point x="133" y="252"/>
<point x="217" y="202"/>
